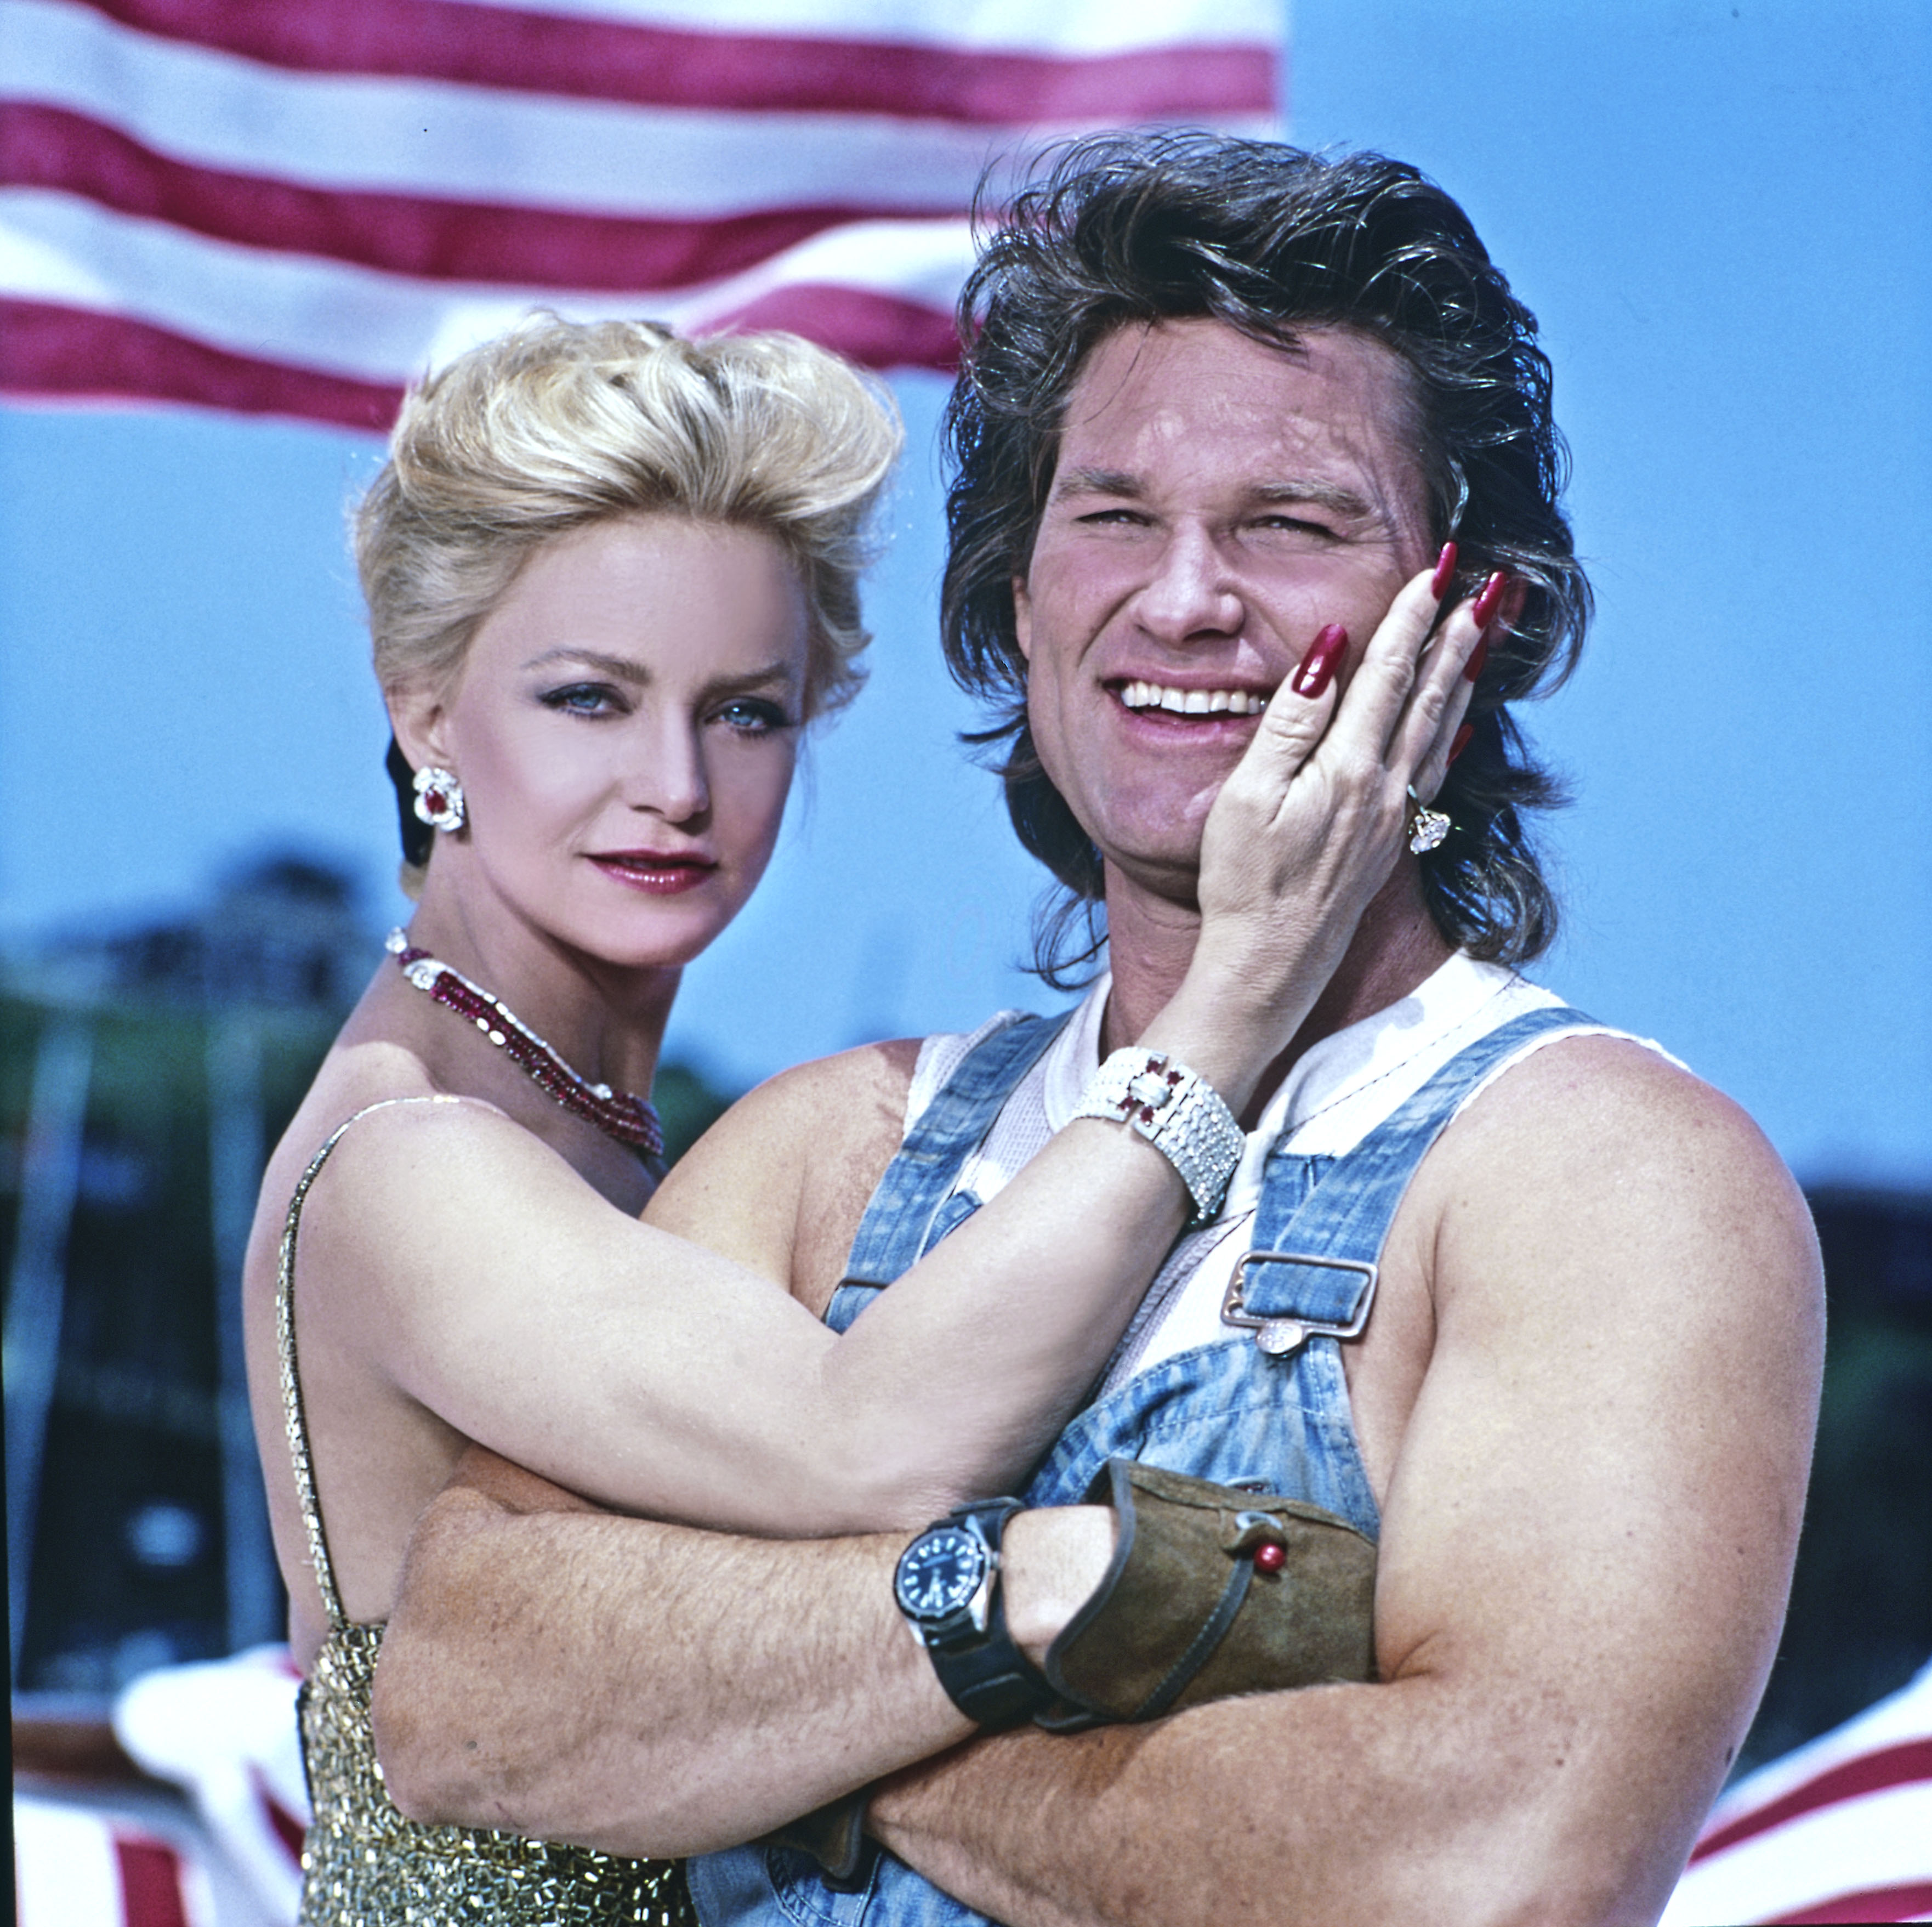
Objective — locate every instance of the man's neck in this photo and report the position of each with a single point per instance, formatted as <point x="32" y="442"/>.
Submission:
<point x="1151" y="943"/>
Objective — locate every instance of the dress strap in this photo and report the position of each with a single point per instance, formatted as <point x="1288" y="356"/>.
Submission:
<point x="293" y="1414"/>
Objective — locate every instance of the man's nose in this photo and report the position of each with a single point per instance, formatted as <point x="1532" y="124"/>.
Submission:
<point x="1192" y="591"/>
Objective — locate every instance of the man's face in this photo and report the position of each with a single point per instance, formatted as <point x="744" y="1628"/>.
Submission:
<point x="1217" y="501"/>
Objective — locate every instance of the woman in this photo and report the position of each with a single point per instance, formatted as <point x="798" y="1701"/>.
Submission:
<point x="611" y="576"/>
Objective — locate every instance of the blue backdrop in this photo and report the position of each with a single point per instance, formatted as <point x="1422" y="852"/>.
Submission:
<point x="1720" y="213"/>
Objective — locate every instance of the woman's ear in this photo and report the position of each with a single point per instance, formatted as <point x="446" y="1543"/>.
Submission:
<point x="1023" y="617"/>
<point x="421" y="722"/>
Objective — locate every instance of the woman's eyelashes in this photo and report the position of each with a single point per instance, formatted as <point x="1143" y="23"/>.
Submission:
<point x="755" y="715"/>
<point x="585" y="699"/>
<point x="746" y="715"/>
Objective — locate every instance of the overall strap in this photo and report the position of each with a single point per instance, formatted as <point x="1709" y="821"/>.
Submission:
<point x="901" y="1220"/>
<point x="293" y="1414"/>
<point x="1312" y="1268"/>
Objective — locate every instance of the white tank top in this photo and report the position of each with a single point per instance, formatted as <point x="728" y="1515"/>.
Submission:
<point x="1333" y="1097"/>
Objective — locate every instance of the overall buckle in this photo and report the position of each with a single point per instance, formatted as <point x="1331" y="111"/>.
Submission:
<point x="1278" y="1336"/>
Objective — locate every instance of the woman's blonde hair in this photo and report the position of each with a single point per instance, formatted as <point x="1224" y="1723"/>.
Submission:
<point x="557" y="424"/>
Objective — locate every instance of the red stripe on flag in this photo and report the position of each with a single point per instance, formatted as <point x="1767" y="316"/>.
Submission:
<point x="434" y="240"/>
<point x="1855" y="1910"/>
<point x="150" y="1882"/>
<point x="1868" y="1773"/>
<point x="881" y="331"/>
<point x="609" y="60"/>
<point x="75" y="353"/>
<point x="287" y="1828"/>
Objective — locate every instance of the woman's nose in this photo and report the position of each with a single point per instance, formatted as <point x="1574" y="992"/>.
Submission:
<point x="668" y="778"/>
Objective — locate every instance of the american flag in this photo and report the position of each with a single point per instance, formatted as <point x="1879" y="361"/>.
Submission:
<point x="293" y="206"/>
<point x="1840" y="1830"/>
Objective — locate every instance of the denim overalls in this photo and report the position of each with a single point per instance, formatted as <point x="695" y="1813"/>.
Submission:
<point x="1268" y="1405"/>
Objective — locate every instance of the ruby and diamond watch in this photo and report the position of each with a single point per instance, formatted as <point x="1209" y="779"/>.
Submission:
<point x="947" y="1585"/>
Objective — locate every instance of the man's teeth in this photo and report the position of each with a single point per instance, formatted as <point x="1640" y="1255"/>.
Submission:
<point x="1192" y="702"/>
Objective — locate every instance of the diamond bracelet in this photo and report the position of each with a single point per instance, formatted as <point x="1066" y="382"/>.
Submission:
<point x="1179" y="1112"/>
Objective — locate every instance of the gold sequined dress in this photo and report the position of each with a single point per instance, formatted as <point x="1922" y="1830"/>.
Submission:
<point x="364" y="1864"/>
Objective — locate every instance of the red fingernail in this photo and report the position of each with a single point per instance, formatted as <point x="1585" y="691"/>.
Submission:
<point x="1484" y="608"/>
<point x="1318" y="664"/>
<point x="1478" y="656"/>
<point x="1462" y="742"/>
<point x="1445" y="568"/>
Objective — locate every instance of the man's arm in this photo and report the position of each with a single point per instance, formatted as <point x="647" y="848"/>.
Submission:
<point x="652" y="1689"/>
<point x="1586" y="1548"/>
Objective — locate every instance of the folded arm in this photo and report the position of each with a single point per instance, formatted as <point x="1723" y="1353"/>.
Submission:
<point x="1586" y="1548"/>
<point x="652" y="1689"/>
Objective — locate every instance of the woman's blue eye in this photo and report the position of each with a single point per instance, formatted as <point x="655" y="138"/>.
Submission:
<point x="750" y="717"/>
<point x="582" y="698"/>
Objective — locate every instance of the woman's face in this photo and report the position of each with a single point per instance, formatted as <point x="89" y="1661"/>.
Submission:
<point x="624" y="730"/>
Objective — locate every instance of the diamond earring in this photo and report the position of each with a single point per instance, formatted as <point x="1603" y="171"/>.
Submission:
<point x="438" y="798"/>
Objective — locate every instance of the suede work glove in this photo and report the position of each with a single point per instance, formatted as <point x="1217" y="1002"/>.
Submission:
<point x="1188" y="1612"/>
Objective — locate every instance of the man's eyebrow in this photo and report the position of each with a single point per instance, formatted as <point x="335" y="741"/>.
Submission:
<point x="1323" y="494"/>
<point x="1083" y="481"/>
<point x="1330" y="495"/>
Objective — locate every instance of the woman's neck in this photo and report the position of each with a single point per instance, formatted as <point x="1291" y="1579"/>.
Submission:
<point x="606" y="1021"/>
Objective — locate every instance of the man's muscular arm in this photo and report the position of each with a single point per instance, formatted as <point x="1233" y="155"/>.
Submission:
<point x="1587" y="1542"/>
<point x="653" y="1689"/>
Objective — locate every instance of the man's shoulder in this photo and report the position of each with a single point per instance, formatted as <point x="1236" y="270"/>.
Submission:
<point x="1596" y="1144"/>
<point x="782" y="1179"/>
<point x="831" y="1108"/>
<point x="864" y="1095"/>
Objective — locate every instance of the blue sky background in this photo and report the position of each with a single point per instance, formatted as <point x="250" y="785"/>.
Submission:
<point x="1720" y="213"/>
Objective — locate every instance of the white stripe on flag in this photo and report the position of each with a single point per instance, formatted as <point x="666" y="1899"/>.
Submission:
<point x="444" y="140"/>
<point x="63" y="1866"/>
<point x="1876" y="1840"/>
<point x="1072" y="27"/>
<point x="372" y="326"/>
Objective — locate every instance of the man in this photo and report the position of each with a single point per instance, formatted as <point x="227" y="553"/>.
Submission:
<point x="1224" y="396"/>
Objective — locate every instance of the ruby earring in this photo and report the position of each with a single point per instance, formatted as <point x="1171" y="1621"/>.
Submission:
<point x="438" y="798"/>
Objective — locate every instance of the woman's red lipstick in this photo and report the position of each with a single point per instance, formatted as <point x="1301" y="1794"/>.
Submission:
<point x="655" y="874"/>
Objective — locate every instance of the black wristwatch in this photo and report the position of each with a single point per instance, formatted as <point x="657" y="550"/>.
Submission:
<point x="948" y="1586"/>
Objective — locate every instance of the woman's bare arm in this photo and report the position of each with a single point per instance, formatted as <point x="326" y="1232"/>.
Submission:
<point x="472" y="1270"/>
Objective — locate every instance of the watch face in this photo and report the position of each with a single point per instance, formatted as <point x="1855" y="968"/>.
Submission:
<point x="940" y="1572"/>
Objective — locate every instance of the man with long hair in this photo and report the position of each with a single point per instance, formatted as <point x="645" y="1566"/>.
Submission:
<point x="1511" y="1293"/>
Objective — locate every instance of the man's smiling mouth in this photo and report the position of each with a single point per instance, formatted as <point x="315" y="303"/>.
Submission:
<point x="1191" y="702"/>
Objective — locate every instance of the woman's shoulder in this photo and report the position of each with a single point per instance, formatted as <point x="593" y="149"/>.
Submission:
<point x="365" y="1097"/>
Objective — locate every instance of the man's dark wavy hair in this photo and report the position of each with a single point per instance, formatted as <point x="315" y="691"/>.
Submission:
<point x="1141" y="228"/>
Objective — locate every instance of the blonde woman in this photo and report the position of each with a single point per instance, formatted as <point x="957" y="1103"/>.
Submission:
<point x="612" y="581"/>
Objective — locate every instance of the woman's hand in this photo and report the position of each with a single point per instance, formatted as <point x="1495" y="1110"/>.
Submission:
<point x="1309" y="826"/>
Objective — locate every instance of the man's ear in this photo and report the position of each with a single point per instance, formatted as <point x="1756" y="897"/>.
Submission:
<point x="1023" y="617"/>
<point x="422" y="725"/>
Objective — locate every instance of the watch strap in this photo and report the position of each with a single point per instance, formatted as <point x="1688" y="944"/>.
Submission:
<point x="984" y="1673"/>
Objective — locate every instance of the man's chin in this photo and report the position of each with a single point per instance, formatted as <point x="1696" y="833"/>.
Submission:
<point x="1170" y="876"/>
